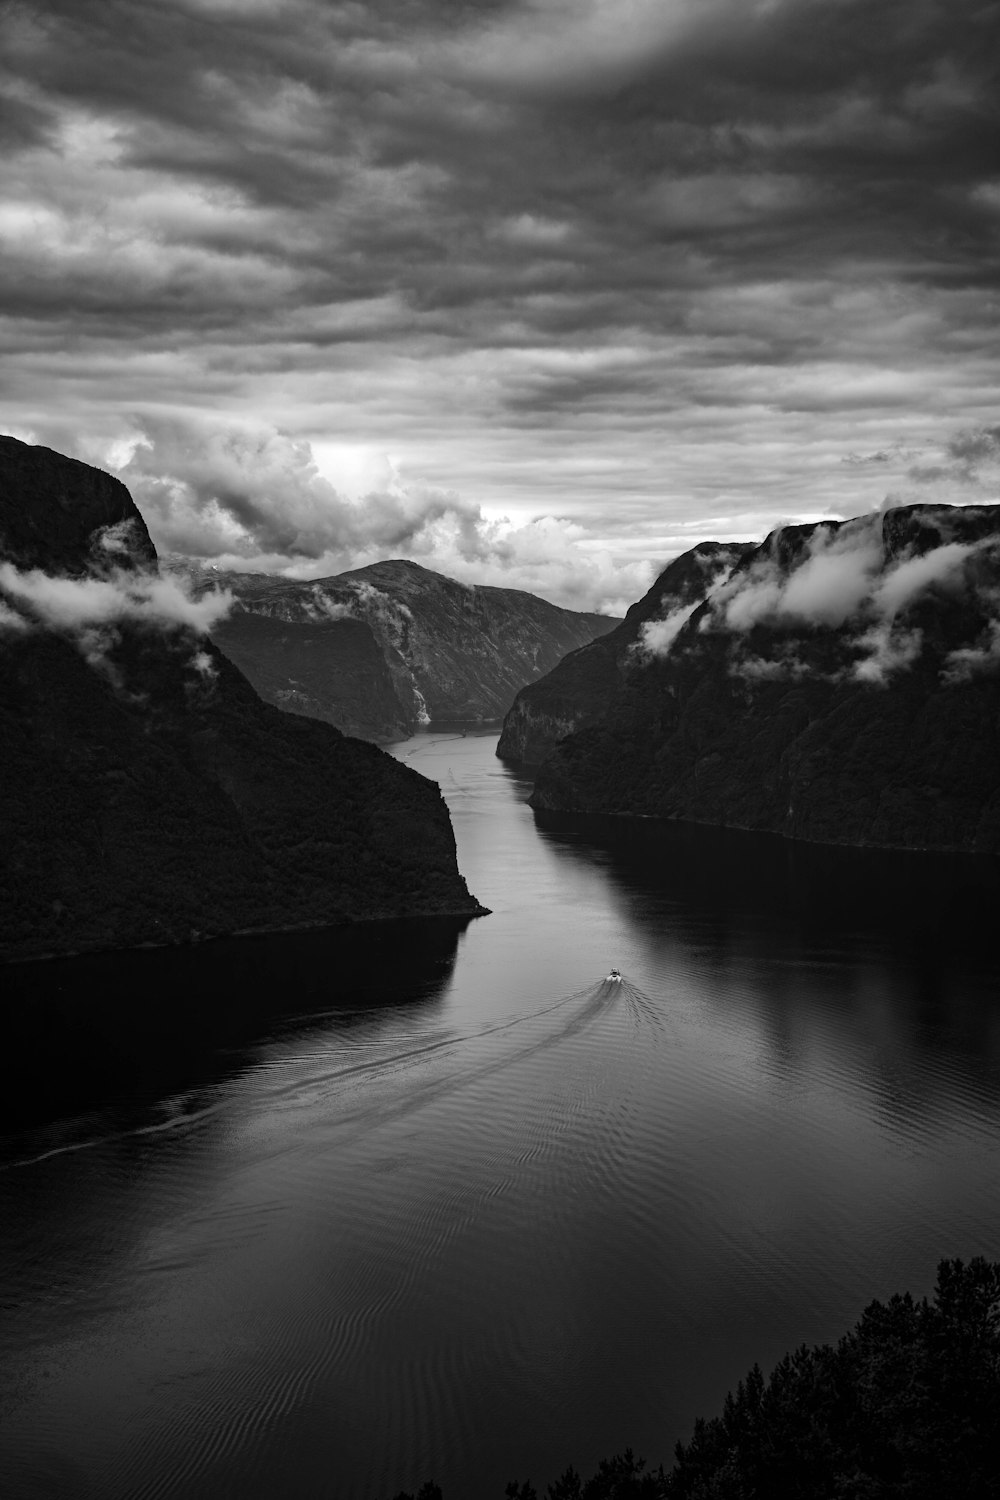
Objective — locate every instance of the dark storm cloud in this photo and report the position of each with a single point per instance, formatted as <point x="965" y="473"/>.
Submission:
<point x="681" y="231"/>
<point x="793" y="134"/>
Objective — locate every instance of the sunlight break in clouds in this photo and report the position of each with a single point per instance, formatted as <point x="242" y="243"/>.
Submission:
<point x="249" y="497"/>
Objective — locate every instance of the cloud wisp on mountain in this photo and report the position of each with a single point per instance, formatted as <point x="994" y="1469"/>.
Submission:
<point x="92" y="610"/>
<point x="844" y="579"/>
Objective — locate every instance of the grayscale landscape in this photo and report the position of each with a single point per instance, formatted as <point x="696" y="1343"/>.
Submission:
<point x="499" y="750"/>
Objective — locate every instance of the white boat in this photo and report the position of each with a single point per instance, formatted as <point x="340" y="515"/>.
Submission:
<point x="615" y="977"/>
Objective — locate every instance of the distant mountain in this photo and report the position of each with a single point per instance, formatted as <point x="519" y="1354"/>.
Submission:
<point x="579" y="688"/>
<point x="841" y="686"/>
<point x="382" y="649"/>
<point x="147" y="795"/>
<point x="325" y="668"/>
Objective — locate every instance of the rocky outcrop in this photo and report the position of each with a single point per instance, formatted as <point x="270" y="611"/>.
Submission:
<point x="66" y="516"/>
<point x="841" y="687"/>
<point x="579" y="688"/>
<point x="146" y="792"/>
<point x="450" y="652"/>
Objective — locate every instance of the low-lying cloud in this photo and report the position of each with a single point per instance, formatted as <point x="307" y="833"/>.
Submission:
<point x="90" y="611"/>
<point x="656" y="637"/>
<point x="11" y="621"/>
<point x="971" y="661"/>
<point x="838" y="578"/>
<point x="825" y="587"/>
<point x="56" y="602"/>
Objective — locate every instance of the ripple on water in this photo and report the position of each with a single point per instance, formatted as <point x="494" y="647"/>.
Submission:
<point x="519" y="1221"/>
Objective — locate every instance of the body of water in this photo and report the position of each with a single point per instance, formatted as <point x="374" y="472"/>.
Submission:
<point x="334" y="1213"/>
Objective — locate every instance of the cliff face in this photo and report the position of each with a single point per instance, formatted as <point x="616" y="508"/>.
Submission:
<point x="333" y="670"/>
<point x="842" y="687"/>
<point x="449" y="653"/>
<point x="146" y="792"/>
<point x="66" y="516"/>
<point x="579" y="688"/>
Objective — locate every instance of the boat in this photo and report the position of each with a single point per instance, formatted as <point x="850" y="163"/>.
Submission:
<point x="615" y="977"/>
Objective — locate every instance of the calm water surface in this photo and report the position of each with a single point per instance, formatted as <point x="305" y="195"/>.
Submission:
<point x="331" y="1214"/>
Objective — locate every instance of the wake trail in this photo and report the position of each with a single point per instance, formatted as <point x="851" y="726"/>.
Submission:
<point x="390" y="1061"/>
<point x="459" y="734"/>
<point x="180" y="1122"/>
<point x="646" y="1011"/>
<point x="427" y="1089"/>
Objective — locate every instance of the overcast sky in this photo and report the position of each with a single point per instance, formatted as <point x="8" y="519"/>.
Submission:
<point x="538" y="292"/>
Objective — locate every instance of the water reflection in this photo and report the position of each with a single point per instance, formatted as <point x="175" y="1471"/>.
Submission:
<point x="374" y="1206"/>
<point x="898" y="949"/>
<point x="125" y="1029"/>
<point x="938" y="902"/>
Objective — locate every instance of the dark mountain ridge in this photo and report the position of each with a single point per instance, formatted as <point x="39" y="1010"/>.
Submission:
<point x="147" y="794"/>
<point x="579" y="688"/>
<point x="840" y="687"/>
<point x="385" y="648"/>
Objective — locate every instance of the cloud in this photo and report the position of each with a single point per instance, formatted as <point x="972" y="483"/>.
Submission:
<point x="325" y="608"/>
<point x="90" y="611"/>
<point x="247" y="489"/>
<point x="370" y="603"/>
<point x="839" y="578"/>
<point x="824" y="586"/>
<point x="75" y="605"/>
<point x="629" y="267"/>
<point x="968" y="460"/>
<point x="943" y="567"/>
<point x="783" y="667"/>
<point x="120" y="540"/>
<point x="970" y="661"/>
<point x="839" y="574"/>
<point x="975" y="447"/>
<point x="11" y="621"/>
<point x="204" y="664"/>
<point x="251" y="497"/>
<point x="550" y="556"/>
<point x="885" y="650"/>
<point x="657" y="636"/>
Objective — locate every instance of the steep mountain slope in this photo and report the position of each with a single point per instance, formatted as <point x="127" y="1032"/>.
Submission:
<point x="450" y="652"/>
<point x="146" y="793"/>
<point x="326" y="669"/>
<point x="842" y="686"/>
<point x="579" y="688"/>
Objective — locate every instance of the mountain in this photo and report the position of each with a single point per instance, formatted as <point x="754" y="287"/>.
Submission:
<point x="579" y="688"/>
<point x="331" y="669"/>
<point x="385" y="648"/>
<point x="147" y="795"/>
<point x="841" y="686"/>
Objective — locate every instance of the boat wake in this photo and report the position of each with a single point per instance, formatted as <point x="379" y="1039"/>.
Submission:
<point x="643" y="1008"/>
<point x="359" y="1080"/>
